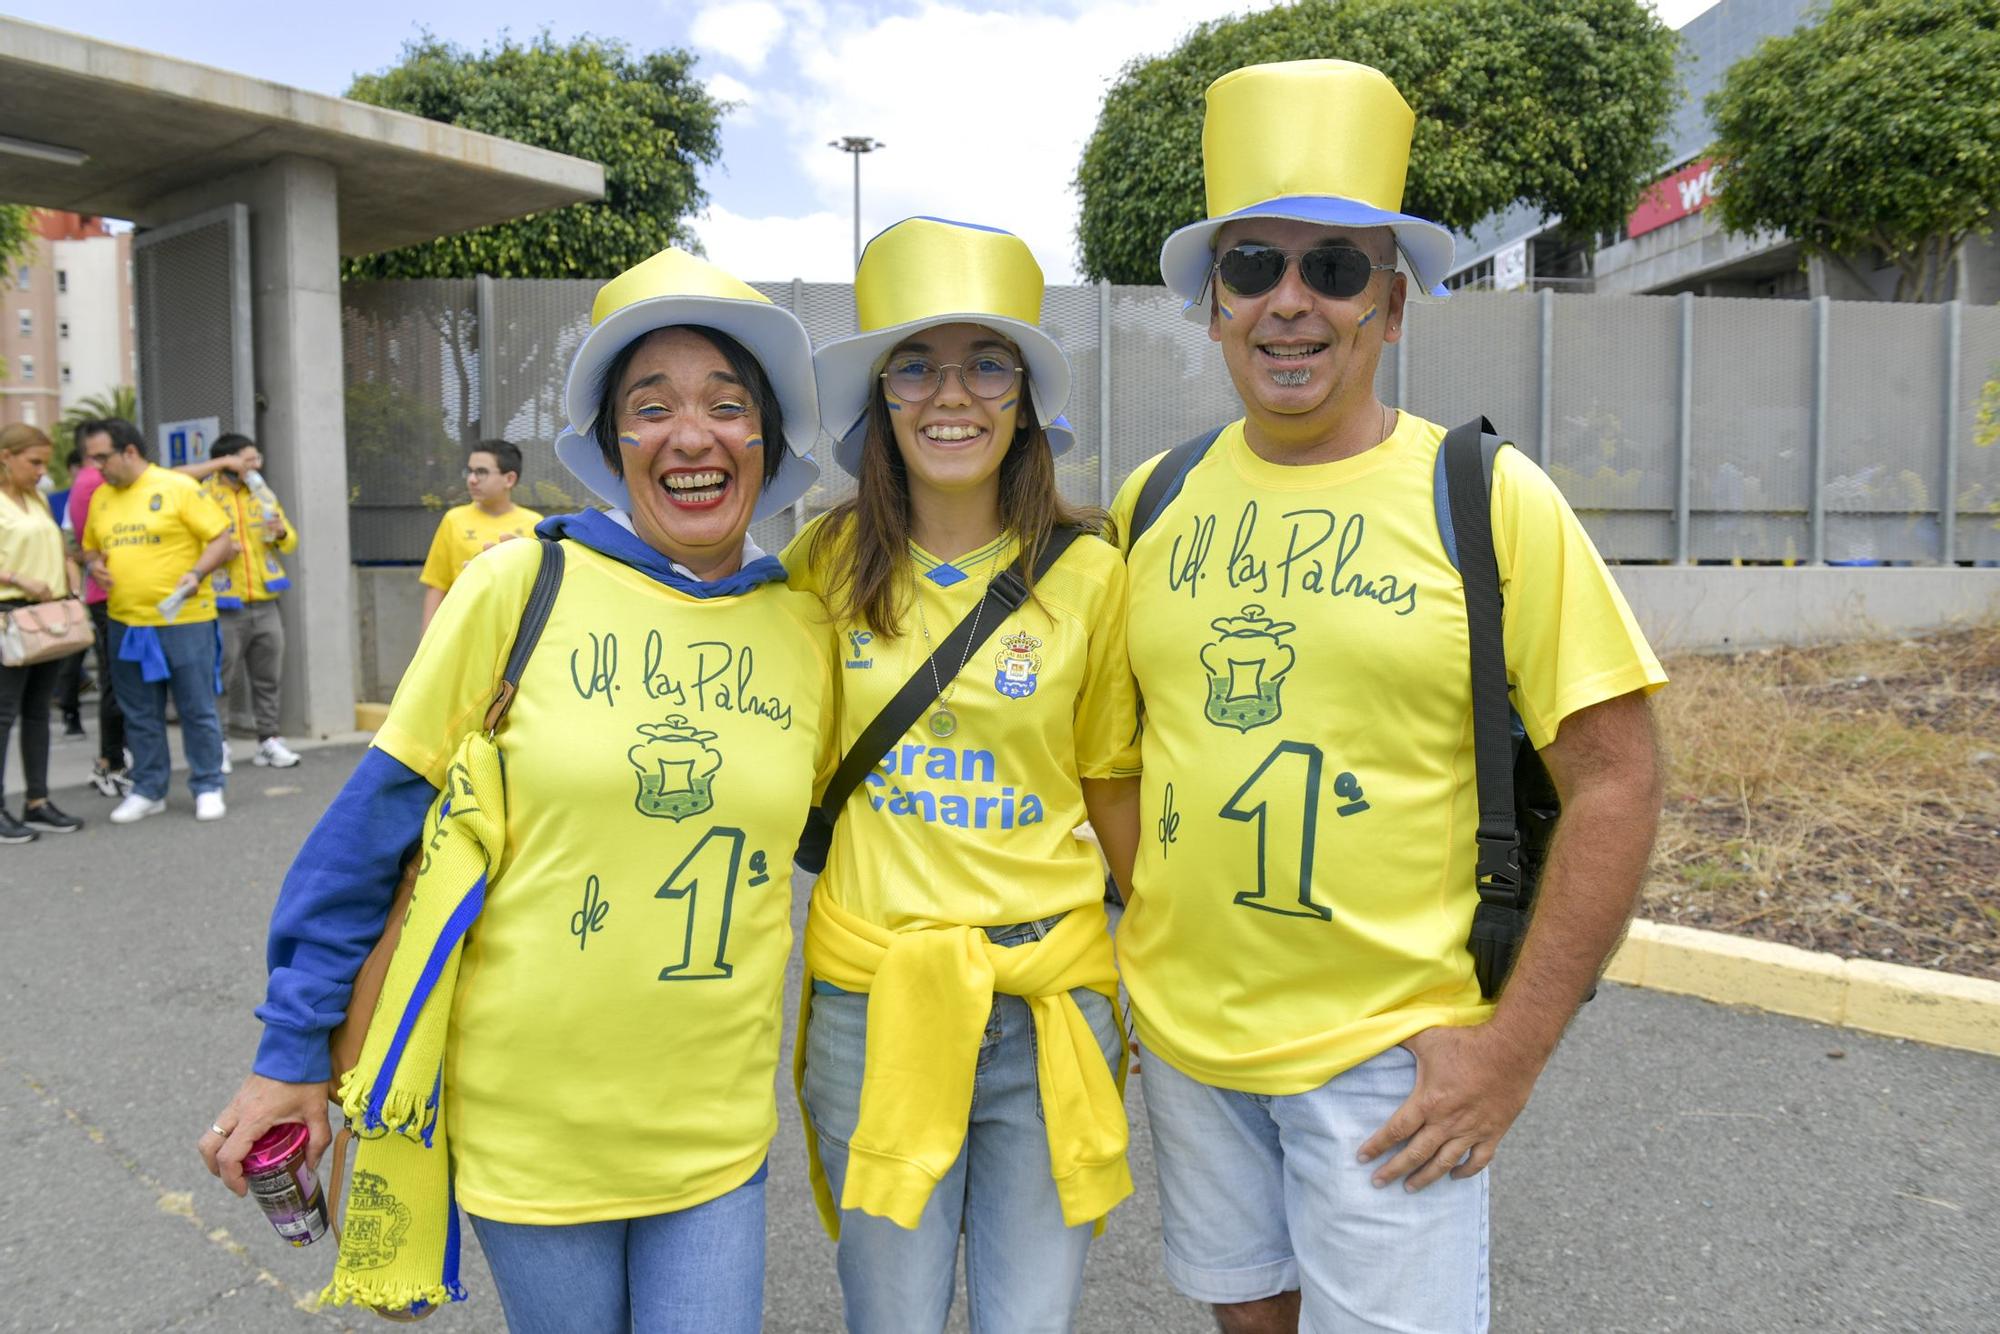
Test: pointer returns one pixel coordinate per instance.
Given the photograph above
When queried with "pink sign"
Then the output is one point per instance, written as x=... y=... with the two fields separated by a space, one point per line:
x=1673 y=197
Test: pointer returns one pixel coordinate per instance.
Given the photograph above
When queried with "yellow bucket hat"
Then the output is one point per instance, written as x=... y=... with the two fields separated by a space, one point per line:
x=924 y=272
x=674 y=287
x=1308 y=141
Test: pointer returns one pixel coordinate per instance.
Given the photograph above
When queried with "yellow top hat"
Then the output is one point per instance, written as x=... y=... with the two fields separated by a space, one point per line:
x=1313 y=141
x=674 y=287
x=918 y=274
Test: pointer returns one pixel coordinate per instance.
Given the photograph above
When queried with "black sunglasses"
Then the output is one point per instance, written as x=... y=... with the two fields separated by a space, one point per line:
x=1338 y=271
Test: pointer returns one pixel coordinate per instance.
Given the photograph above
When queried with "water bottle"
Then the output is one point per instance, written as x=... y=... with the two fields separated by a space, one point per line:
x=265 y=496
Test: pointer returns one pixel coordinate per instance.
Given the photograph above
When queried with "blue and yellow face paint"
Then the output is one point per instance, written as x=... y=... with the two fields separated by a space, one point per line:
x=1366 y=316
x=754 y=442
x=629 y=440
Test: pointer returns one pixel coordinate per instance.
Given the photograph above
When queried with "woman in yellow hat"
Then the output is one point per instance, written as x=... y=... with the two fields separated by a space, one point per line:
x=596 y=1023
x=960 y=1056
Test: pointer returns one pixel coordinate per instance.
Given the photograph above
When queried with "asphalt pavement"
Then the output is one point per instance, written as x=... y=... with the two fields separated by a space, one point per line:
x=1683 y=1166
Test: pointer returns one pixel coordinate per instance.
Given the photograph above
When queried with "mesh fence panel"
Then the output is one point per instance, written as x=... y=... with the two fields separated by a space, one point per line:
x=1750 y=480
x=1884 y=445
x=1614 y=419
x=1978 y=468
x=411 y=351
x=1471 y=355
x=416 y=399
x=183 y=291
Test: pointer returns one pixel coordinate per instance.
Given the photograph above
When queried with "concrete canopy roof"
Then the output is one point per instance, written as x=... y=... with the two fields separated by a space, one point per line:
x=153 y=125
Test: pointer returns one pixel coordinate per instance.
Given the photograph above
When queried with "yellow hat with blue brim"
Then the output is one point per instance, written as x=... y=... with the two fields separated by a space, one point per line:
x=919 y=274
x=675 y=288
x=1324 y=141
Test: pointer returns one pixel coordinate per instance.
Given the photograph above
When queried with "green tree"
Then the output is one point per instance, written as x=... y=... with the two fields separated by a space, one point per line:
x=1561 y=104
x=17 y=223
x=644 y=117
x=1878 y=126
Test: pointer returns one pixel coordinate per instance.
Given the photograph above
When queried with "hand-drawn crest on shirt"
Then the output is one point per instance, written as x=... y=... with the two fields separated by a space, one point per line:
x=676 y=768
x=1016 y=664
x=377 y=1222
x=1246 y=664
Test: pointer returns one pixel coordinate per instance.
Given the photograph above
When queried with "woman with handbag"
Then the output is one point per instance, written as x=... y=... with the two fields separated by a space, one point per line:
x=577 y=1034
x=35 y=581
x=961 y=1052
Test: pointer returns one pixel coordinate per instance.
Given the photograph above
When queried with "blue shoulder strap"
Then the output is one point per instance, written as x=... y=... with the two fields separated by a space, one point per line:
x=1164 y=482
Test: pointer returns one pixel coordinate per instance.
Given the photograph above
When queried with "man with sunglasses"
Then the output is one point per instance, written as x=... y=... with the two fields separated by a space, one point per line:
x=1324 y=1082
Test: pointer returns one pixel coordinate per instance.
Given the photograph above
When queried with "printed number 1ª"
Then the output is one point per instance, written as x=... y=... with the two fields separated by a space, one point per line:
x=706 y=880
x=1282 y=825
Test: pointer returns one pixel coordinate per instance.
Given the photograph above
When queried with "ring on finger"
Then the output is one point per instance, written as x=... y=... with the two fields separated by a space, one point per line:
x=214 y=1129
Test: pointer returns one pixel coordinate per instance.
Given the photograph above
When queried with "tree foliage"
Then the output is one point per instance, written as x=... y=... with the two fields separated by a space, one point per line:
x=1877 y=126
x=646 y=118
x=1562 y=104
x=17 y=223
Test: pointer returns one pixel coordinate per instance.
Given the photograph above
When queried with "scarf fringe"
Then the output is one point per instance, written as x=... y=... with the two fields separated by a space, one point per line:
x=387 y=1296
x=404 y=1111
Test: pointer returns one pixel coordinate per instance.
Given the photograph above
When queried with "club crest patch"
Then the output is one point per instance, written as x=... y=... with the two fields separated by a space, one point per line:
x=676 y=768
x=377 y=1223
x=1246 y=664
x=1016 y=664
x=154 y=504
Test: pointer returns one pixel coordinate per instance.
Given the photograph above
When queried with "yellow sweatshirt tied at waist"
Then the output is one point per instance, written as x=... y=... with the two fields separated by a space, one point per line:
x=930 y=993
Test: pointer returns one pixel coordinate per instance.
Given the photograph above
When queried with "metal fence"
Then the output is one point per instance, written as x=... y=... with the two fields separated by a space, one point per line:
x=1680 y=428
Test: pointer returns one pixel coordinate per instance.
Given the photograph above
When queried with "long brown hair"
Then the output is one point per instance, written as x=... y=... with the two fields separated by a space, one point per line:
x=873 y=587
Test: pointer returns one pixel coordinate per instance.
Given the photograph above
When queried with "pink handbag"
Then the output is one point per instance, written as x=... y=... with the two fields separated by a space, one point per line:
x=43 y=631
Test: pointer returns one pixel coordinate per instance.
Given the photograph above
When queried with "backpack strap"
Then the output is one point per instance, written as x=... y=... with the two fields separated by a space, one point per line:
x=534 y=617
x=1163 y=483
x=1466 y=525
x=1005 y=592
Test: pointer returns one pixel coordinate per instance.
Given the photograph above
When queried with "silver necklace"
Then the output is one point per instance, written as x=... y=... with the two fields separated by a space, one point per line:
x=943 y=722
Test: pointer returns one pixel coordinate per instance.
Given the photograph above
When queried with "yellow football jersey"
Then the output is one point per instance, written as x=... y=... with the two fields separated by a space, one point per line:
x=1304 y=886
x=151 y=533
x=614 y=1039
x=464 y=532
x=975 y=828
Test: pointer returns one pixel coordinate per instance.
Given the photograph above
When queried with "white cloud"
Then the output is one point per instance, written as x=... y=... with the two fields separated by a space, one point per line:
x=984 y=113
x=743 y=32
x=818 y=247
x=728 y=88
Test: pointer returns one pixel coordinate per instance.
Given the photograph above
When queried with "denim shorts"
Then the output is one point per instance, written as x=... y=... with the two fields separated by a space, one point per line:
x=1023 y=1266
x=1262 y=1194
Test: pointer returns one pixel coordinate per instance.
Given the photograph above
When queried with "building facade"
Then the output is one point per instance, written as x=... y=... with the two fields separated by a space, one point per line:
x=66 y=325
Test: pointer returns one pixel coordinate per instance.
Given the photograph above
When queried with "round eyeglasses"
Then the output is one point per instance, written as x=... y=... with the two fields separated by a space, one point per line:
x=915 y=379
x=1338 y=271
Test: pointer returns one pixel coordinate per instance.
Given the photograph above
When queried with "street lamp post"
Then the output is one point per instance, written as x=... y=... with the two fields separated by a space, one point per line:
x=857 y=144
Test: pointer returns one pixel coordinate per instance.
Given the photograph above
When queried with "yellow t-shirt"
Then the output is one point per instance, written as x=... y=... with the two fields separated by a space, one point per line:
x=1304 y=886
x=254 y=573
x=614 y=1039
x=31 y=546
x=464 y=532
x=151 y=533
x=976 y=829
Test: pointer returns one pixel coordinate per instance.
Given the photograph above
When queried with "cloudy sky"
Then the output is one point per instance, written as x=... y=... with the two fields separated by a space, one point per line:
x=983 y=106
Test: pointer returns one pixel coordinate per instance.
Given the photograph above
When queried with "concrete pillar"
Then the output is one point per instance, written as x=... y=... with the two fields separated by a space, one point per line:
x=1979 y=271
x=301 y=418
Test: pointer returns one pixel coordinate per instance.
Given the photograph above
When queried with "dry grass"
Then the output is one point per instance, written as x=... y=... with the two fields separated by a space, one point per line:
x=1843 y=799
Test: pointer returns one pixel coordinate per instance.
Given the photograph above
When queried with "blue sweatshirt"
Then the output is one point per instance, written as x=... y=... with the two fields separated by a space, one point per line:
x=336 y=896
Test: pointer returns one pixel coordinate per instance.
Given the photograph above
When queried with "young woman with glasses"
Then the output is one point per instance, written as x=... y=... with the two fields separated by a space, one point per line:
x=961 y=1049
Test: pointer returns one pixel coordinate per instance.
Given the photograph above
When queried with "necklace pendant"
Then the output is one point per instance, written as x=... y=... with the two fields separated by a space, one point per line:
x=943 y=722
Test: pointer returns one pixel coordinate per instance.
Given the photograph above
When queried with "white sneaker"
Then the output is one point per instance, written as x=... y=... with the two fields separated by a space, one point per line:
x=135 y=808
x=274 y=752
x=208 y=806
x=228 y=767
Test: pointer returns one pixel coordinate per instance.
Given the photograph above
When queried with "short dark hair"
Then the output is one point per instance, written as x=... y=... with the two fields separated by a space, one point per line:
x=744 y=366
x=230 y=442
x=124 y=435
x=505 y=453
x=74 y=459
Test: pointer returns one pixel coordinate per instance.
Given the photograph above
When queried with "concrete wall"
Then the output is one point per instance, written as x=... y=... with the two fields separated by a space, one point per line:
x=1683 y=609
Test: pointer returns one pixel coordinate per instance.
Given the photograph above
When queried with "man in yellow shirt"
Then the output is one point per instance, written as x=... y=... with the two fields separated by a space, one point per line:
x=247 y=587
x=492 y=469
x=1324 y=1081
x=153 y=539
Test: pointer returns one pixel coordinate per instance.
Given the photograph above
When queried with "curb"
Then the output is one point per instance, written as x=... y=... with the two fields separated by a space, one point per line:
x=1942 y=1009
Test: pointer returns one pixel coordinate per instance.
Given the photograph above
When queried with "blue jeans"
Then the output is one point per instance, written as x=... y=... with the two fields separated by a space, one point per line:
x=1262 y=1194
x=693 y=1271
x=191 y=657
x=1023 y=1267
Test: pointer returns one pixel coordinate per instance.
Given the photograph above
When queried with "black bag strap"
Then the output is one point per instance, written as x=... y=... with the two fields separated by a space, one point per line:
x=534 y=617
x=1163 y=483
x=1499 y=920
x=1005 y=592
